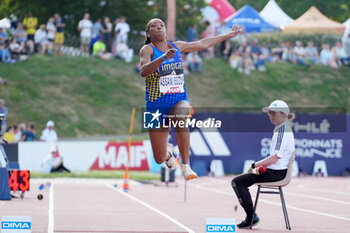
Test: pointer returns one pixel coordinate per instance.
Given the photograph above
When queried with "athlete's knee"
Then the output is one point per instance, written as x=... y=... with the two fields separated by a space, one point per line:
x=159 y=159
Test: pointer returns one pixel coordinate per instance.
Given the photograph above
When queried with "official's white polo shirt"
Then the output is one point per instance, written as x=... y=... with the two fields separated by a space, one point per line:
x=282 y=145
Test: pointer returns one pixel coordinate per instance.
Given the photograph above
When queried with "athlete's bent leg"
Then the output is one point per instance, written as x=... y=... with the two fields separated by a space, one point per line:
x=159 y=142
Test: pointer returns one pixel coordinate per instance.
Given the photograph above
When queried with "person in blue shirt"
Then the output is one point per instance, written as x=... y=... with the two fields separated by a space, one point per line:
x=162 y=66
x=192 y=33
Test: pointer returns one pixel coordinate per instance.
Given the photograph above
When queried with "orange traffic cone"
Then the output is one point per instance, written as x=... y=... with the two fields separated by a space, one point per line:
x=126 y=182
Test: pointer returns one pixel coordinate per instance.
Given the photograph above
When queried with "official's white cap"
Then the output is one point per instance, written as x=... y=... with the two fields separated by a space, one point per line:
x=50 y=124
x=277 y=106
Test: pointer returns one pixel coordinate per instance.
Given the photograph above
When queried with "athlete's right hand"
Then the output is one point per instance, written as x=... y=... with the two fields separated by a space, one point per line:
x=169 y=54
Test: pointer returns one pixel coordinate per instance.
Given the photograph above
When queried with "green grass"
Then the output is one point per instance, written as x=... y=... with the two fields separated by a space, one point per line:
x=90 y=97
x=139 y=176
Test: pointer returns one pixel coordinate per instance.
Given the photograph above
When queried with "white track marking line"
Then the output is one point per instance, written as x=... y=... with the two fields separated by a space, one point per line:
x=51 y=208
x=294 y=194
x=322 y=190
x=153 y=209
x=307 y=210
x=274 y=203
x=2 y=203
x=318 y=198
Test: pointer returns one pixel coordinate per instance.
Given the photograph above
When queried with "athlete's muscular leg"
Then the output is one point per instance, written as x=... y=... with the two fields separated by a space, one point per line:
x=159 y=142
x=181 y=111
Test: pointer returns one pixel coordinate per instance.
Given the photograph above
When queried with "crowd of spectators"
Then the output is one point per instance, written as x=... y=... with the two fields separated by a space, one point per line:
x=26 y=37
x=253 y=55
x=22 y=133
x=98 y=38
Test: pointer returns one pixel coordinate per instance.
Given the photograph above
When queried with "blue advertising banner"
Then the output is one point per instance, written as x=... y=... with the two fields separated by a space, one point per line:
x=246 y=136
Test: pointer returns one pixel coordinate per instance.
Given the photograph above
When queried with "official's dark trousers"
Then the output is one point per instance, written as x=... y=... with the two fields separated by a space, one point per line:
x=241 y=183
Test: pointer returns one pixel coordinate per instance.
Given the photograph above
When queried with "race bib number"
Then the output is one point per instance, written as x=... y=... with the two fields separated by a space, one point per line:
x=172 y=83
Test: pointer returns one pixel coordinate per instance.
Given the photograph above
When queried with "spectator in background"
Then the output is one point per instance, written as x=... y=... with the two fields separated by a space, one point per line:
x=85 y=29
x=51 y=31
x=256 y=53
x=225 y=46
x=115 y=40
x=123 y=52
x=192 y=33
x=17 y=50
x=14 y=21
x=106 y=34
x=4 y=50
x=327 y=57
x=40 y=39
x=19 y=132
x=123 y=28
x=21 y=37
x=265 y=53
x=340 y=55
x=30 y=23
x=311 y=53
x=208 y=32
x=279 y=53
x=194 y=62
x=99 y=50
x=245 y=63
x=29 y=134
x=49 y=134
x=53 y=162
x=300 y=53
x=59 y=36
x=4 y=111
x=9 y=135
x=234 y=60
x=96 y=30
x=291 y=56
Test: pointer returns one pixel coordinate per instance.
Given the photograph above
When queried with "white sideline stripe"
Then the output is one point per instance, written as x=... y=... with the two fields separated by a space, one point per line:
x=323 y=190
x=318 y=198
x=2 y=203
x=51 y=217
x=153 y=209
x=298 y=195
x=274 y=203
x=308 y=211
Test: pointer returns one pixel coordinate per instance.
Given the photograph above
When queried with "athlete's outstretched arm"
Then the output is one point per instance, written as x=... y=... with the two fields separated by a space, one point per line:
x=186 y=47
x=147 y=65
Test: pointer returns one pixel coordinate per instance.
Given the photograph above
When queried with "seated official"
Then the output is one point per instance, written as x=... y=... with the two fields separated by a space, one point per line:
x=281 y=149
x=53 y=162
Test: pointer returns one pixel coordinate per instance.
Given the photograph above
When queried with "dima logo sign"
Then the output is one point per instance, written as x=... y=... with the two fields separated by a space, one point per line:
x=15 y=225
x=215 y=225
x=221 y=228
x=18 y=224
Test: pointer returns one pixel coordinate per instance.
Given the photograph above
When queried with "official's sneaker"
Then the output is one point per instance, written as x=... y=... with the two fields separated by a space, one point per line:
x=246 y=222
x=171 y=162
x=188 y=173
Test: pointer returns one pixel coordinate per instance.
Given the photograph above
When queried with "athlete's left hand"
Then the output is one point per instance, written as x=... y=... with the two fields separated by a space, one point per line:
x=235 y=30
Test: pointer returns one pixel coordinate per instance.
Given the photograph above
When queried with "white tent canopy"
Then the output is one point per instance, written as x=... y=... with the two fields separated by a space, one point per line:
x=274 y=15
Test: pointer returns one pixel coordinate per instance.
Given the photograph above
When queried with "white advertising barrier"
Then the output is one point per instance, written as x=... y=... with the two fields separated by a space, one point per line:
x=85 y=156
